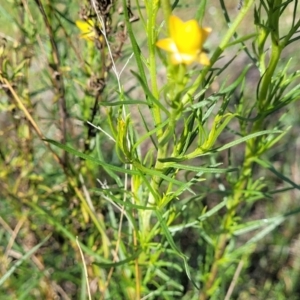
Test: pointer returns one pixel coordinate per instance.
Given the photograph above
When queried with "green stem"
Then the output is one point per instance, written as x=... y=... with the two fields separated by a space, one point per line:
x=152 y=9
x=166 y=8
x=274 y=16
x=156 y=180
x=228 y=220
x=263 y=102
x=251 y=151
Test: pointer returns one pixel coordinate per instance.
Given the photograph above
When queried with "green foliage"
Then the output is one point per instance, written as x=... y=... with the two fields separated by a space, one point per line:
x=126 y=177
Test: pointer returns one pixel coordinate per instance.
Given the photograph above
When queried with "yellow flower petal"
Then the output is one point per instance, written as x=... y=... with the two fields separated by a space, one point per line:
x=167 y=45
x=85 y=26
x=205 y=33
x=188 y=37
x=175 y=25
x=176 y=58
x=203 y=59
x=185 y=42
x=87 y=29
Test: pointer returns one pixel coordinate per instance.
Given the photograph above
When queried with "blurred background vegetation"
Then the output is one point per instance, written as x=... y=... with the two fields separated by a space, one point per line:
x=55 y=83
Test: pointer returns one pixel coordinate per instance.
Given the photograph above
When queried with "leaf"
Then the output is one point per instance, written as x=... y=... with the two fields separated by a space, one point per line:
x=124 y=203
x=173 y=246
x=56 y=223
x=149 y=133
x=22 y=259
x=233 y=86
x=242 y=39
x=136 y=49
x=90 y=158
x=141 y=168
x=203 y=217
x=271 y=223
x=125 y=102
x=150 y=96
x=119 y=263
x=175 y=4
x=19 y=67
x=270 y=167
x=202 y=169
x=246 y=138
x=201 y=11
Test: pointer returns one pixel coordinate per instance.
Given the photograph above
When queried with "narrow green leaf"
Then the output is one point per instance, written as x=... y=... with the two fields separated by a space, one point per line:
x=233 y=86
x=196 y=224
x=202 y=169
x=148 y=130
x=150 y=97
x=246 y=138
x=242 y=39
x=143 y=169
x=149 y=133
x=201 y=12
x=173 y=246
x=125 y=102
x=136 y=49
x=22 y=259
x=123 y=203
x=250 y=226
x=271 y=168
x=119 y=263
x=90 y=158
x=213 y=210
x=273 y=223
x=47 y=215
x=175 y=4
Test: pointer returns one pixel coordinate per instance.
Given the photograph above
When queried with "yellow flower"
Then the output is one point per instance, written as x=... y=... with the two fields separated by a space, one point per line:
x=185 y=42
x=87 y=29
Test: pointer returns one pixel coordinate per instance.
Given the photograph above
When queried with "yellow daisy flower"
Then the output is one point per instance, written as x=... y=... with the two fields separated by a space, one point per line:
x=185 y=43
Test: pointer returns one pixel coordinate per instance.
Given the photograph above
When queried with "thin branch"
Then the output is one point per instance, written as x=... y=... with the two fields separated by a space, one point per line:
x=57 y=77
